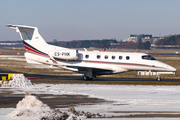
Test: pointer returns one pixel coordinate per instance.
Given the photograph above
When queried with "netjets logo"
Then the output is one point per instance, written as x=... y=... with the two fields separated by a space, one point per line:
x=62 y=54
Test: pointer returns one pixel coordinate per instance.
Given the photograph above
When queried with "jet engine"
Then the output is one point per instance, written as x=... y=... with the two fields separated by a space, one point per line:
x=65 y=54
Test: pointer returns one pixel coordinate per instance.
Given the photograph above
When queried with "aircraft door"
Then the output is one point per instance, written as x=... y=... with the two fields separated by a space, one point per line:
x=80 y=56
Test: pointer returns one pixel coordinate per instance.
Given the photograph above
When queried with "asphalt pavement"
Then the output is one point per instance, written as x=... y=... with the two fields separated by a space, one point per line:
x=76 y=78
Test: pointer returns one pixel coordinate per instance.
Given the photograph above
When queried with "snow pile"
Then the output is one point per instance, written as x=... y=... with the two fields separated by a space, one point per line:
x=18 y=81
x=33 y=108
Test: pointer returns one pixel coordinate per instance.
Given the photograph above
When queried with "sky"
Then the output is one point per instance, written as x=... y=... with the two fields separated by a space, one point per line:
x=67 y=20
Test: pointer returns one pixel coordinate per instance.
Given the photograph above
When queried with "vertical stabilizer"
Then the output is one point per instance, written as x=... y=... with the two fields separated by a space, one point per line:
x=32 y=39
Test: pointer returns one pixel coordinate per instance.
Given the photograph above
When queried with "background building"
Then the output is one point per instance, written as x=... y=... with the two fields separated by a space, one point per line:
x=133 y=39
x=142 y=37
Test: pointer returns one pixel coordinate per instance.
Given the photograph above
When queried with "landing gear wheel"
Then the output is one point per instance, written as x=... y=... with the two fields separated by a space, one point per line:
x=87 y=78
x=159 y=78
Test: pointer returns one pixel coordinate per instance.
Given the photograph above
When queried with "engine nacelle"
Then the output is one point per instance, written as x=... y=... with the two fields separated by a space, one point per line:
x=65 y=54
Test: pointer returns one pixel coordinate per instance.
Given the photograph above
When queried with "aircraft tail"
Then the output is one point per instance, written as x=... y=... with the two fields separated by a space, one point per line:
x=27 y=32
x=31 y=38
x=36 y=46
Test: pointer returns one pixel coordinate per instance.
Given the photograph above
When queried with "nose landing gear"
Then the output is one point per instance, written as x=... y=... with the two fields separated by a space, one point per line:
x=158 y=78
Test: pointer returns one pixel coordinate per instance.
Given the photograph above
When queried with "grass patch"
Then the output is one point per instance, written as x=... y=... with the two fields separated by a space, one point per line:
x=12 y=52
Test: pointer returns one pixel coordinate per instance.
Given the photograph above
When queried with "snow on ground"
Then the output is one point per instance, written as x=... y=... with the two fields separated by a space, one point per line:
x=32 y=108
x=124 y=97
x=19 y=80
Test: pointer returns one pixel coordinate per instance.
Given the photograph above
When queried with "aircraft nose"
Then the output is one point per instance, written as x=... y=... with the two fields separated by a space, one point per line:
x=172 y=69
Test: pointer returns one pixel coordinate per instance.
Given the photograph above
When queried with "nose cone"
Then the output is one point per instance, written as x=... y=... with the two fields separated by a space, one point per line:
x=165 y=67
x=170 y=68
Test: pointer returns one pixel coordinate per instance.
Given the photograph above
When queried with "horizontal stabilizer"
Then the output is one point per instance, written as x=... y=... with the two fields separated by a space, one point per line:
x=19 y=26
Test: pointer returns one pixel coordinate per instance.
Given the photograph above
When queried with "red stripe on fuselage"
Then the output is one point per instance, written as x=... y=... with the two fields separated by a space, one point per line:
x=30 y=49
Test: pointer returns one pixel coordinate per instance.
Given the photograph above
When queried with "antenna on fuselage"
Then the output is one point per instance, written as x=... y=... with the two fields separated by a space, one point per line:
x=85 y=49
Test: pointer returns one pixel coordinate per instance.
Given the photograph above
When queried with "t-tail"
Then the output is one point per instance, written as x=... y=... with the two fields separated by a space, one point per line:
x=32 y=40
x=37 y=47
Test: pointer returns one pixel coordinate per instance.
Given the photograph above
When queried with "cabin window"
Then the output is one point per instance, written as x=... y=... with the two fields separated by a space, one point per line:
x=148 y=57
x=127 y=57
x=87 y=56
x=113 y=57
x=120 y=57
x=98 y=56
x=106 y=57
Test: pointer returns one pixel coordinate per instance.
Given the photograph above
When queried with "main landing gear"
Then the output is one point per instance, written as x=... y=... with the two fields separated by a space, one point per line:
x=88 y=75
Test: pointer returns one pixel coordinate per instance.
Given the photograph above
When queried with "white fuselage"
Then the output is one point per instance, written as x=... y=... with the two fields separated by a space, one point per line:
x=116 y=62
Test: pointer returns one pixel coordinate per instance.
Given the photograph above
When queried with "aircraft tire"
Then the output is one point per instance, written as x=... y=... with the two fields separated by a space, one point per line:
x=86 y=78
x=158 y=79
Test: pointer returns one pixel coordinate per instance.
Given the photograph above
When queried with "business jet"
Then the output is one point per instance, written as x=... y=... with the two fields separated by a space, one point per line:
x=89 y=63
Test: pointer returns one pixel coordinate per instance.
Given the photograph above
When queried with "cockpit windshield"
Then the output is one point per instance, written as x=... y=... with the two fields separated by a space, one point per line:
x=148 y=57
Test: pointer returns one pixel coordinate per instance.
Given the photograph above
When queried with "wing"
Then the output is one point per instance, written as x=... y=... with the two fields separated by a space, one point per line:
x=97 y=70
